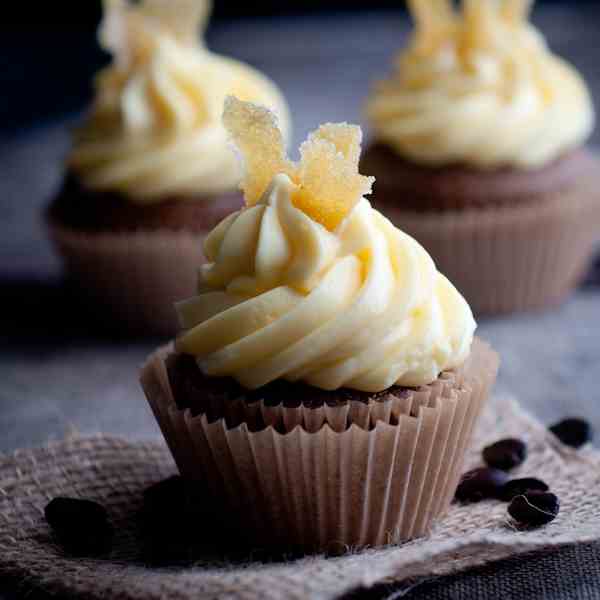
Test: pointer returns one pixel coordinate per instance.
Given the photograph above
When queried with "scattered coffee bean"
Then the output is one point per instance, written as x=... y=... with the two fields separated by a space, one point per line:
x=534 y=508
x=518 y=487
x=480 y=484
x=572 y=432
x=81 y=526
x=505 y=454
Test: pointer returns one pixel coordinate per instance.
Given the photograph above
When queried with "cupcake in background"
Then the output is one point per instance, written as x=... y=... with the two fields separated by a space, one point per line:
x=150 y=170
x=478 y=148
x=327 y=379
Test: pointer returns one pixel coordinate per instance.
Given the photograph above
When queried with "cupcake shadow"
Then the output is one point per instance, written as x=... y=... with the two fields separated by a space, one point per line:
x=39 y=314
x=183 y=531
x=198 y=532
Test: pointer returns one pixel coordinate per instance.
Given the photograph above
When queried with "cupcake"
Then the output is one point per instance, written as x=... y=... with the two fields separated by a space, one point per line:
x=150 y=171
x=326 y=380
x=479 y=153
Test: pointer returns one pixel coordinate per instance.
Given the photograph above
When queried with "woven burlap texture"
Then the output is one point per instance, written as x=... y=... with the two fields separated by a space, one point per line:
x=115 y=472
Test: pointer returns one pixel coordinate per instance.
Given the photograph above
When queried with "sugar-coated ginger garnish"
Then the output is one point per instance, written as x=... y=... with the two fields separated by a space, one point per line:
x=437 y=20
x=256 y=134
x=128 y=28
x=430 y=14
x=516 y=11
x=329 y=184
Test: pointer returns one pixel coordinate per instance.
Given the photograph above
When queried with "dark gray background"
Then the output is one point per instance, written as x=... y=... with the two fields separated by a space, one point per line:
x=58 y=371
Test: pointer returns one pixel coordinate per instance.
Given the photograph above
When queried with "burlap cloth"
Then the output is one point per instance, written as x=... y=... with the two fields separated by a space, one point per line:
x=115 y=472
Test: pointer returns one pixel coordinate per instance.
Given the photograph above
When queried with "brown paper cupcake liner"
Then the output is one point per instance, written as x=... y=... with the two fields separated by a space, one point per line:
x=131 y=280
x=511 y=259
x=330 y=477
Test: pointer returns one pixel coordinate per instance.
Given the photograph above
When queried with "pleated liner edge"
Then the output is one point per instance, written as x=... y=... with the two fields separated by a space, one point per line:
x=335 y=477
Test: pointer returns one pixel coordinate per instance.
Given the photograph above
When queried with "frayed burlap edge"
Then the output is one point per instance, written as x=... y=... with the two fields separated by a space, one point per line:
x=116 y=471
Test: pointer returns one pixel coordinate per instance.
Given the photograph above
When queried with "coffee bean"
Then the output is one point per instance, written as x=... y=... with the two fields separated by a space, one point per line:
x=534 y=508
x=480 y=484
x=518 y=487
x=505 y=454
x=81 y=526
x=572 y=432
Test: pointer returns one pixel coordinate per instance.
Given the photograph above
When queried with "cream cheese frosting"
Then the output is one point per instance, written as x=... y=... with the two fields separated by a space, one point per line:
x=309 y=283
x=155 y=128
x=479 y=86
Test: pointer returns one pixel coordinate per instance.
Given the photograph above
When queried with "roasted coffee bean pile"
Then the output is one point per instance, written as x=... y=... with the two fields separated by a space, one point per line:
x=81 y=526
x=530 y=502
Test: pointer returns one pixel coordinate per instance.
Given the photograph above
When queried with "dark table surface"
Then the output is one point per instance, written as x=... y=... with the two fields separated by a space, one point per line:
x=57 y=372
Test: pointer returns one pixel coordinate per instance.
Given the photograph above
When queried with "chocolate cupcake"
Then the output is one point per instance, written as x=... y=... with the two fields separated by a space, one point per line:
x=479 y=152
x=326 y=381
x=150 y=171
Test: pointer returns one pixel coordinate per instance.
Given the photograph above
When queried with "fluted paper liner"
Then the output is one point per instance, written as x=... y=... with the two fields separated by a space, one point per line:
x=331 y=477
x=131 y=279
x=512 y=258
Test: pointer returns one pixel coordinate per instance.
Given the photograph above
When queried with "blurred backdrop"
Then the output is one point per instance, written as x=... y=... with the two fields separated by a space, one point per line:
x=324 y=54
x=48 y=50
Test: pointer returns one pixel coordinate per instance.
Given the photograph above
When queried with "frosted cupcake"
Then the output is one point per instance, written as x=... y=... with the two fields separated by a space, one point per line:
x=478 y=150
x=150 y=171
x=326 y=381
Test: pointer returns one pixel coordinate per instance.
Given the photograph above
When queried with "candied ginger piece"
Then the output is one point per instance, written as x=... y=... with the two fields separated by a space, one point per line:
x=516 y=11
x=254 y=131
x=127 y=27
x=470 y=27
x=346 y=138
x=478 y=12
x=330 y=184
x=183 y=18
x=433 y=19
x=478 y=18
x=113 y=31
x=430 y=14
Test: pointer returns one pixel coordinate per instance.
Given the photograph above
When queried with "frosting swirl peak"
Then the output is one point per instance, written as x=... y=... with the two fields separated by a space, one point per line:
x=480 y=87
x=155 y=129
x=336 y=297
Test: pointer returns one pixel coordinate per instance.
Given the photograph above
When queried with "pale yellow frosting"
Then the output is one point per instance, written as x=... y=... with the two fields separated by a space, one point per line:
x=350 y=302
x=155 y=129
x=480 y=87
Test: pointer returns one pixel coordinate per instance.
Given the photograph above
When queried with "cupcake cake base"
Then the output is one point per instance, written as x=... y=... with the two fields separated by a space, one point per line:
x=130 y=263
x=82 y=209
x=327 y=470
x=515 y=259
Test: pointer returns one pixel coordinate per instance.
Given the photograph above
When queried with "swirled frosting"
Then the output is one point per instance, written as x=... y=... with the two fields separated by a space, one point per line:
x=480 y=87
x=290 y=292
x=155 y=129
